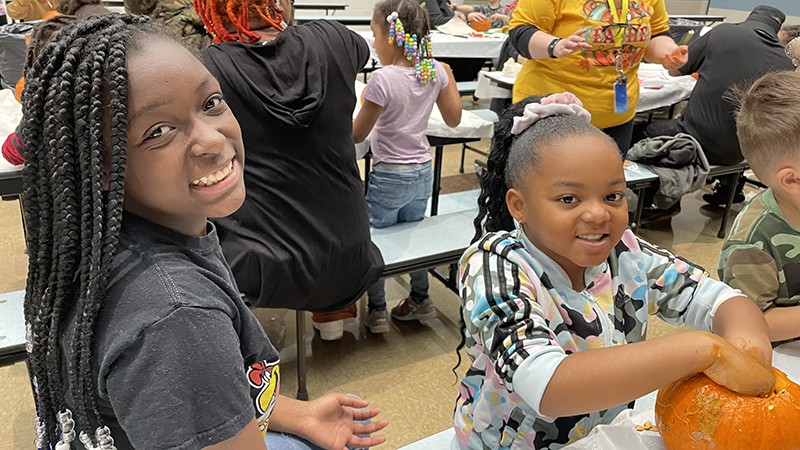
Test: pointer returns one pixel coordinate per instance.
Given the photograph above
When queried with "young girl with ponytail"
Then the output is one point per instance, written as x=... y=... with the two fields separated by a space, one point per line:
x=556 y=294
x=138 y=335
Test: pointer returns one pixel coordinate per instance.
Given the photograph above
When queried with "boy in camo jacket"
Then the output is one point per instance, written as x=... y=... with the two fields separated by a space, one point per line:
x=761 y=255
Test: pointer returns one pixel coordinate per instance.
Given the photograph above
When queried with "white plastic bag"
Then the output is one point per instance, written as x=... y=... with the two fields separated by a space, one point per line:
x=621 y=434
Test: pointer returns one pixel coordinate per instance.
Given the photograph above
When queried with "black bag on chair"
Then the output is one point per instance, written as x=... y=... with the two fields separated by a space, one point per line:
x=12 y=52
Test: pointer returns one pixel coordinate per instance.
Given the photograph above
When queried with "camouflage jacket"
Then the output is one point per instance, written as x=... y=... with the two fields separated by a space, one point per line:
x=761 y=255
x=177 y=14
x=181 y=16
x=523 y=317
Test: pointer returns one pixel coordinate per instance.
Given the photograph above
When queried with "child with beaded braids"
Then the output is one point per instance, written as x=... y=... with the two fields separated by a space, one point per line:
x=555 y=309
x=397 y=104
x=138 y=337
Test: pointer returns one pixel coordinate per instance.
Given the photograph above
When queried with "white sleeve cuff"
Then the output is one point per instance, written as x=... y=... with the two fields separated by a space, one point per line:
x=722 y=299
x=533 y=375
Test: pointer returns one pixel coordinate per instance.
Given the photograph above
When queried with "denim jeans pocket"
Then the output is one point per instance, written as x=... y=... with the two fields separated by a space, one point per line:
x=390 y=188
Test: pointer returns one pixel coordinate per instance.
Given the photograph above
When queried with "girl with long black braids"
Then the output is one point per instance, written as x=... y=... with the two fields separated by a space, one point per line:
x=548 y=304
x=138 y=335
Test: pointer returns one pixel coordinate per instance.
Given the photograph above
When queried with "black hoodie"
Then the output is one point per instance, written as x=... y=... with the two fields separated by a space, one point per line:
x=301 y=239
x=729 y=55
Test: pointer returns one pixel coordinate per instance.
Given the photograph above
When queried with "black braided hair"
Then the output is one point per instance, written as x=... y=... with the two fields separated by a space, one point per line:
x=511 y=158
x=42 y=33
x=413 y=16
x=75 y=128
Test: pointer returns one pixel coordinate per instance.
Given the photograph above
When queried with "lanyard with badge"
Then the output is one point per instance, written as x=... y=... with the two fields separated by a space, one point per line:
x=621 y=82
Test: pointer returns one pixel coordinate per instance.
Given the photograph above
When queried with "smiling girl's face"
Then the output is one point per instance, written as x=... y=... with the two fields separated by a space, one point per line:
x=572 y=204
x=185 y=155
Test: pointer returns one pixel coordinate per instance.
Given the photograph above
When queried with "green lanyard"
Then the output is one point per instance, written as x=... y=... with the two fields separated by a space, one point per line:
x=618 y=17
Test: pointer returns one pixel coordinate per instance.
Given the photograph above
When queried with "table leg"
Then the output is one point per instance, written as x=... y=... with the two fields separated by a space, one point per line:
x=437 y=179
x=734 y=186
x=367 y=170
x=637 y=216
x=302 y=392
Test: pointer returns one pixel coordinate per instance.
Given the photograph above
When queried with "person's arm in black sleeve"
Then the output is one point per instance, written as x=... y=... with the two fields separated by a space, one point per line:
x=520 y=38
x=353 y=44
x=697 y=54
x=360 y=55
x=437 y=14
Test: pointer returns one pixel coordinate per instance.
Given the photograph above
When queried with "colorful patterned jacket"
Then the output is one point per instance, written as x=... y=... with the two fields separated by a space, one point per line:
x=533 y=319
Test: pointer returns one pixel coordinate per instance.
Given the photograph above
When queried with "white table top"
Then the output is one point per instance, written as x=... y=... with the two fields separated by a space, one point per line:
x=345 y=20
x=12 y=324
x=656 y=88
x=447 y=46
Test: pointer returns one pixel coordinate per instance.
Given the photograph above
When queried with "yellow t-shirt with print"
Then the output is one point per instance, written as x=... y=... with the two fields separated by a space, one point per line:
x=589 y=74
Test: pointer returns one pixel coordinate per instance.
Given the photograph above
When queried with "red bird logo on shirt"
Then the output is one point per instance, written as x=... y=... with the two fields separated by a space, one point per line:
x=265 y=378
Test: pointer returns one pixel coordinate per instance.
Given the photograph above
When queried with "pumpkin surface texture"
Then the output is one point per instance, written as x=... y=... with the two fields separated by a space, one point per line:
x=481 y=26
x=697 y=414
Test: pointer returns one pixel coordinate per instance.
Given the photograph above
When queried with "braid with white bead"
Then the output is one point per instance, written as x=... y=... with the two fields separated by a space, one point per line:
x=407 y=20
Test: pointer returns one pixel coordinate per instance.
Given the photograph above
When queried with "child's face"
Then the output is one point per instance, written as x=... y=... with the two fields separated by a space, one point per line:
x=573 y=204
x=185 y=150
x=383 y=48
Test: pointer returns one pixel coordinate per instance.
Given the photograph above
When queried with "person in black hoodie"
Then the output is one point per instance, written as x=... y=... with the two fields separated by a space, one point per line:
x=728 y=55
x=301 y=240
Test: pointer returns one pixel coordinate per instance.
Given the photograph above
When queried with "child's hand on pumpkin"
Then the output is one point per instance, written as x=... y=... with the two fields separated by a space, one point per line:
x=732 y=368
x=757 y=347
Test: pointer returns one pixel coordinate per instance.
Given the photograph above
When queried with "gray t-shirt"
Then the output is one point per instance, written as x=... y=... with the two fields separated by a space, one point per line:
x=179 y=361
x=489 y=12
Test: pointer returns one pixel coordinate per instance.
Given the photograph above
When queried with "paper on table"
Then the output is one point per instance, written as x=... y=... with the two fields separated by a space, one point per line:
x=786 y=358
x=621 y=434
x=456 y=27
x=10 y=113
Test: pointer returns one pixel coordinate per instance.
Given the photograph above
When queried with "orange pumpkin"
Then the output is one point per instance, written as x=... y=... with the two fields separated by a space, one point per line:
x=50 y=14
x=481 y=26
x=18 y=89
x=697 y=414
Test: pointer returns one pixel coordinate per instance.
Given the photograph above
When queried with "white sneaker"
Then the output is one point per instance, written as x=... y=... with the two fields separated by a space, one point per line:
x=330 y=331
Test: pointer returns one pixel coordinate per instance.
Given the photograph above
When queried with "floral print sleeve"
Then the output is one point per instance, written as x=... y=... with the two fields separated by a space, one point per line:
x=676 y=290
x=503 y=317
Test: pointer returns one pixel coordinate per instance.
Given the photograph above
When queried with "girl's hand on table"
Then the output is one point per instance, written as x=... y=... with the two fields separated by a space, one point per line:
x=570 y=44
x=676 y=59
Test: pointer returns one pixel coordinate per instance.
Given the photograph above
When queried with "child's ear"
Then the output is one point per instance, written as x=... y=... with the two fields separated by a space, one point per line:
x=516 y=204
x=789 y=179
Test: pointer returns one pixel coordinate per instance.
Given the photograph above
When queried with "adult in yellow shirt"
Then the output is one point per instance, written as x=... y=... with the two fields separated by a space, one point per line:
x=572 y=45
x=28 y=10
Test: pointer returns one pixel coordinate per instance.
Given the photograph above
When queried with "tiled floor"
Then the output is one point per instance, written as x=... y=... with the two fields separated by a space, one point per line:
x=407 y=372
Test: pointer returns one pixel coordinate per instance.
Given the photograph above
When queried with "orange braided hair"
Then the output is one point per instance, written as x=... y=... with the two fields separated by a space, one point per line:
x=217 y=13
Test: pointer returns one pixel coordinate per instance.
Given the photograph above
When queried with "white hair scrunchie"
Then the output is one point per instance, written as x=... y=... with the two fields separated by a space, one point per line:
x=565 y=104
x=792 y=52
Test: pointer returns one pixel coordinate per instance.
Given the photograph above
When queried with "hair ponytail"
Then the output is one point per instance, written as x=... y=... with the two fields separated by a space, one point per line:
x=493 y=213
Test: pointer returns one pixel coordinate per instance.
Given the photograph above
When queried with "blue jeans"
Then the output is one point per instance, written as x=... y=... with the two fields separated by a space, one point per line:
x=396 y=196
x=281 y=441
